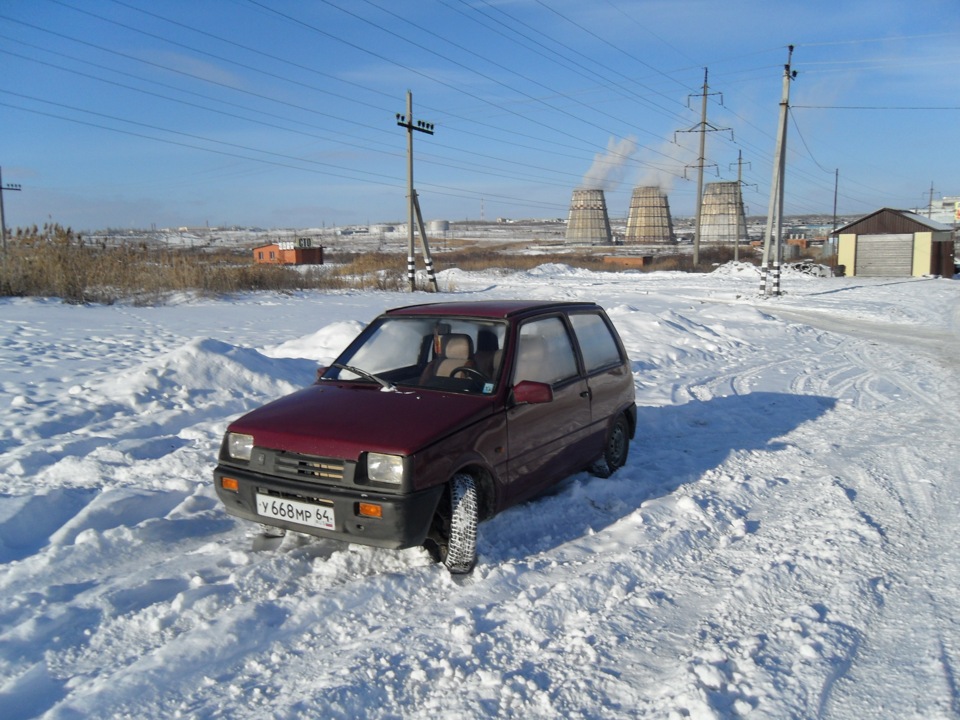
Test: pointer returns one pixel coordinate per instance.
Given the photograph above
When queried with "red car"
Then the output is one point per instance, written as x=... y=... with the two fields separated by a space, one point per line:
x=436 y=417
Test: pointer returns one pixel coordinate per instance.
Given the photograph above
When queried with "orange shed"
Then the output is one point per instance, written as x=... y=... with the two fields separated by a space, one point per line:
x=299 y=252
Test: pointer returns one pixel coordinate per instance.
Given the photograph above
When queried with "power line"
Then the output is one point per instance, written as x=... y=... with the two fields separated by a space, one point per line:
x=223 y=85
x=877 y=107
x=494 y=62
x=457 y=88
x=438 y=189
x=555 y=150
x=213 y=55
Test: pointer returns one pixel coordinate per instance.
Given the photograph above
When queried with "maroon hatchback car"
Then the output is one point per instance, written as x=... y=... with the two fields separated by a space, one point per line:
x=435 y=418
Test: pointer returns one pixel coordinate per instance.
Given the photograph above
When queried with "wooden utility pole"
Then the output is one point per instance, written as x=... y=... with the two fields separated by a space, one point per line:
x=413 y=203
x=3 y=220
x=772 y=237
x=836 y=188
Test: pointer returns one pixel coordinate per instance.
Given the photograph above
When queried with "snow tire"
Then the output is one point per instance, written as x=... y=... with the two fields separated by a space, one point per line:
x=615 y=451
x=461 y=554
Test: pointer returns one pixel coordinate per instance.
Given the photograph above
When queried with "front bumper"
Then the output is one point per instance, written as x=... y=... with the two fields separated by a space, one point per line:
x=404 y=523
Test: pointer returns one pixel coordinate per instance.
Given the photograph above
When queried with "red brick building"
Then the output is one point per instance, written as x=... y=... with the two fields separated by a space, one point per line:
x=298 y=252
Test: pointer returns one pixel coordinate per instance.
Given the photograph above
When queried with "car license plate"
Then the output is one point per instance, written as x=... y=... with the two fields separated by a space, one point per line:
x=318 y=516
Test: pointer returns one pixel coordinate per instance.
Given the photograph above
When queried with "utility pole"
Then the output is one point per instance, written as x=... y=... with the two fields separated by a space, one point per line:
x=836 y=187
x=3 y=221
x=773 y=233
x=413 y=203
x=834 y=239
x=736 y=237
x=702 y=127
x=930 y=205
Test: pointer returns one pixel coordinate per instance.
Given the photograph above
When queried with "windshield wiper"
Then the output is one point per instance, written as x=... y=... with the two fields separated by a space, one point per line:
x=386 y=385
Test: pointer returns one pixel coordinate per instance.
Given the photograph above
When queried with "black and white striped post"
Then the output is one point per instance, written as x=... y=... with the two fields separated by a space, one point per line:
x=772 y=240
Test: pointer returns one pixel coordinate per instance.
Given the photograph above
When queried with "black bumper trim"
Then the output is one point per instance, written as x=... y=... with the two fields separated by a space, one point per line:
x=405 y=522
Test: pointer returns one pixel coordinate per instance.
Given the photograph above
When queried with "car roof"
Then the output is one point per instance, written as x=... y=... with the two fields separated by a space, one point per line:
x=488 y=308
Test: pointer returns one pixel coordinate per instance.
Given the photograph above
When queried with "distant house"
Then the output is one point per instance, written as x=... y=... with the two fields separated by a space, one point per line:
x=299 y=252
x=896 y=243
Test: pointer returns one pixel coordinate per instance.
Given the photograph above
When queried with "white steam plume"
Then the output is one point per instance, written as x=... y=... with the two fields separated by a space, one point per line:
x=662 y=168
x=608 y=168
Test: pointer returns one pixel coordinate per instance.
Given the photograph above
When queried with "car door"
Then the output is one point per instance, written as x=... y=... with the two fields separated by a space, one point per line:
x=608 y=376
x=546 y=440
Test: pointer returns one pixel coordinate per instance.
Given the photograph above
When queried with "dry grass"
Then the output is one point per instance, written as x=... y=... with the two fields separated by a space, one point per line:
x=55 y=262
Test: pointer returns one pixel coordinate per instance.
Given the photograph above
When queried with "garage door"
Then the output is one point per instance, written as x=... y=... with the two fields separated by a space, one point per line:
x=885 y=255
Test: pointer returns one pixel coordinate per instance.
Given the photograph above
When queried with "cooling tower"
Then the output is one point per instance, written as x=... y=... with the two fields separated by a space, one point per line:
x=722 y=205
x=649 y=221
x=588 y=221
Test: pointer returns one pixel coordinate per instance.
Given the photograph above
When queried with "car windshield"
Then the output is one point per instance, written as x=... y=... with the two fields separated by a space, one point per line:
x=452 y=354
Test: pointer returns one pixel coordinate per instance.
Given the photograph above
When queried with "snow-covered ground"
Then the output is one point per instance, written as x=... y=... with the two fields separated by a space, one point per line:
x=782 y=542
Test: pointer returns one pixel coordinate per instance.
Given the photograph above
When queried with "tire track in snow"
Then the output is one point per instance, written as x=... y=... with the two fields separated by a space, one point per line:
x=738 y=564
x=901 y=379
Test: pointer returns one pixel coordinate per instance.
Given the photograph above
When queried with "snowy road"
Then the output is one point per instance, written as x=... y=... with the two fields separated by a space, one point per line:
x=912 y=634
x=780 y=544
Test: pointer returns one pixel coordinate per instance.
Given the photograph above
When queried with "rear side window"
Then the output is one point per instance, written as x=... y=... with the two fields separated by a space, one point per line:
x=596 y=341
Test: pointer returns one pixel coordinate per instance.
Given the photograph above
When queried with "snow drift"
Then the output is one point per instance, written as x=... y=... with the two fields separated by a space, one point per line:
x=781 y=542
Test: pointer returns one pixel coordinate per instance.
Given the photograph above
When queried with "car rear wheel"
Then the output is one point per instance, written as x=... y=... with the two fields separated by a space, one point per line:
x=615 y=451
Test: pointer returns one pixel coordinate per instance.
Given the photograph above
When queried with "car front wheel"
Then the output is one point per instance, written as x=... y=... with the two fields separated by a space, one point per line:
x=461 y=551
x=615 y=451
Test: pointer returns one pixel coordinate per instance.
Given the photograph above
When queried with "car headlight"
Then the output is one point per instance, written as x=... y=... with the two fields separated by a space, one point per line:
x=385 y=468
x=239 y=446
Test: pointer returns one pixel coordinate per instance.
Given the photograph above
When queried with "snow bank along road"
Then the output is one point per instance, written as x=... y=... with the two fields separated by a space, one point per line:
x=782 y=542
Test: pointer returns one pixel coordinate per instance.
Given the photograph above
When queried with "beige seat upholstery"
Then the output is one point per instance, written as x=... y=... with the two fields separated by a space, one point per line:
x=456 y=350
x=531 y=360
x=488 y=353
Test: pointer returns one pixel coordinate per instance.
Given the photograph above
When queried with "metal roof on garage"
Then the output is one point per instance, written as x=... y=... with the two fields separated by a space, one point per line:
x=890 y=221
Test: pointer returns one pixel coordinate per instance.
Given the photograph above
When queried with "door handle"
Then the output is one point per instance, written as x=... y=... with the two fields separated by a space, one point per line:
x=586 y=393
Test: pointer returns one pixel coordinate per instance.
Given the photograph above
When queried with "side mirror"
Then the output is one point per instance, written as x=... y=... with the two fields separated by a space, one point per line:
x=532 y=393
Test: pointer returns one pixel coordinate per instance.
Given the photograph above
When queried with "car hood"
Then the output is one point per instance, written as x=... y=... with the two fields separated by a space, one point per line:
x=345 y=419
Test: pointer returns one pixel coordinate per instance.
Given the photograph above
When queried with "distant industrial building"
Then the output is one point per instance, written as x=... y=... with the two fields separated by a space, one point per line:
x=588 y=221
x=302 y=251
x=722 y=219
x=945 y=211
x=649 y=221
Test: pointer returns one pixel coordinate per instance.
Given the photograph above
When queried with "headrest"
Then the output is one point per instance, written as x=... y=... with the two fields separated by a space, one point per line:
x=487 y=341
x=457 y=346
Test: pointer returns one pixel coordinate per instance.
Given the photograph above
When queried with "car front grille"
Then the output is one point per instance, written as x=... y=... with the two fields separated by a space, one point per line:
x=307 y=467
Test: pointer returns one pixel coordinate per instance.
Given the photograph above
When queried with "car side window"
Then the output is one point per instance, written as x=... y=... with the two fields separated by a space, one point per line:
x=544 y=352
x=597 y=344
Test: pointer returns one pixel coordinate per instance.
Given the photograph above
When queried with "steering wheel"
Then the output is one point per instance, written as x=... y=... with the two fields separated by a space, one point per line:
x=469 y=371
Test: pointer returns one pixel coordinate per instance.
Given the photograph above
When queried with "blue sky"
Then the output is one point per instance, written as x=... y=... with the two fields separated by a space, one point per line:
x=131 y=113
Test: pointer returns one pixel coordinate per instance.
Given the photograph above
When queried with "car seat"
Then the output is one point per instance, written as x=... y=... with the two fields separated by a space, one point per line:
x=456 y=350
